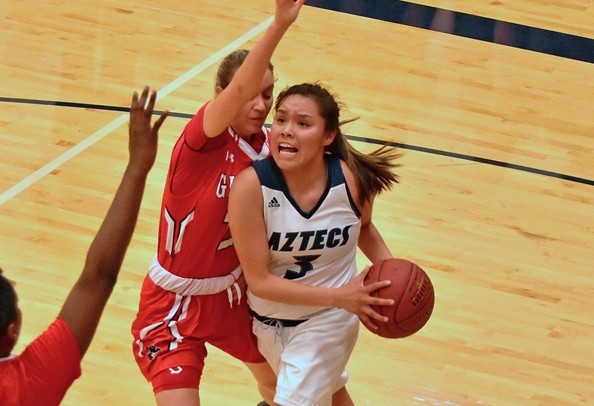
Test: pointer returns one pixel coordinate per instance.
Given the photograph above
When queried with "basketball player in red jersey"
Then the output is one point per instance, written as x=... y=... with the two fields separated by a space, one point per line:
x=193 y=292
x=47 y=367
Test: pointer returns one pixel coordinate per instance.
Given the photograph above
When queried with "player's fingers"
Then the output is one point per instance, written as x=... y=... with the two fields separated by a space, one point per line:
x=378 y=285
x=159 y=122
x=151 y=104
x=360 y=278
x=236 y=292
x=134 y=99
x=368 y=323
x=376 y=301
x=365 y=271
x=242 y=284
x=143 y=96
x=376 y=316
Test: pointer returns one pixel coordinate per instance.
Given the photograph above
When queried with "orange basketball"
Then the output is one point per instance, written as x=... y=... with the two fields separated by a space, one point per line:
x=413 y=296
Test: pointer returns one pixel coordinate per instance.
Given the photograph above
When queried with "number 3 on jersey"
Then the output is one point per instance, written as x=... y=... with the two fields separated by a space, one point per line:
x=305 y=265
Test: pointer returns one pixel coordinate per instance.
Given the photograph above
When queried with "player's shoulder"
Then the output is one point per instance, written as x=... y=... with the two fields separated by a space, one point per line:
x=245 y=191
x=246 y=174
x=348 y=173
x=245 y=180
x=350 y=180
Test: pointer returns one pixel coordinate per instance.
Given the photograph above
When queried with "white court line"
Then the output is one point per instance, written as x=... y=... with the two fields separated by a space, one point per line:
x=123 y=119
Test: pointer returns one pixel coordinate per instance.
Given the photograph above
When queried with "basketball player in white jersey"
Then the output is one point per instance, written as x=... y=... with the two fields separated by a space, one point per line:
x=296 y=220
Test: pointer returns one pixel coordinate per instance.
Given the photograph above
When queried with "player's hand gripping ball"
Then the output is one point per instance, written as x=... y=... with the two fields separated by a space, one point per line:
x=413 y=296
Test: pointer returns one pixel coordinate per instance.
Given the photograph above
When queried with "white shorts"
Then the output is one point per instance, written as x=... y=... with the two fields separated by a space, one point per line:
x=310 y=358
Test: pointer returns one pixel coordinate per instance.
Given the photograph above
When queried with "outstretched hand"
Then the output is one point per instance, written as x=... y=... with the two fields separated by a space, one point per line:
x=84 y=305
x=287 y=11
x=143 y=141
x=357 y=299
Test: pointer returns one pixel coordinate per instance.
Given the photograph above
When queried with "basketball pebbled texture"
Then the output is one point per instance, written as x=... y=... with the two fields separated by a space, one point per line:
x=413 y=296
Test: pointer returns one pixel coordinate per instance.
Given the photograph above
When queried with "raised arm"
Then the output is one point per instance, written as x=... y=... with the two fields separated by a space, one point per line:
x=248 y=229
x=83 y=308
x=245 y=83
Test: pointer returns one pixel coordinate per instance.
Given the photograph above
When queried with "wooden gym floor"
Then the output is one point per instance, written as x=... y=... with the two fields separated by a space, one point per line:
x=496 y=201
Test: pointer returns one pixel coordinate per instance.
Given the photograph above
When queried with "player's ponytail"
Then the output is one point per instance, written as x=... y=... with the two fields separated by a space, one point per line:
x=373 y=171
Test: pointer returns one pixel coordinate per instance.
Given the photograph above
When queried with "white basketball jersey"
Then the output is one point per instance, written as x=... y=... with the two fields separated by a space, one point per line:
x=316 y=248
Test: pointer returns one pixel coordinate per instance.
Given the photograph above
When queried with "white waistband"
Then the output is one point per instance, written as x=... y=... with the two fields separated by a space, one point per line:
x=190 y=286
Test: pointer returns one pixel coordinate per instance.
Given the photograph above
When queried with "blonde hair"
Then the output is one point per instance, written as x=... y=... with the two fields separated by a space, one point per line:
x=229 y=66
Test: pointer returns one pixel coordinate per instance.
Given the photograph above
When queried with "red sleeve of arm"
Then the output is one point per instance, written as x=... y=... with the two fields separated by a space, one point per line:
x=194 y=131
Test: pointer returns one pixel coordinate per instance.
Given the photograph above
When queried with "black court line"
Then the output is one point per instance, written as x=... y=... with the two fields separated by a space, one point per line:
x=83 y=106
x=467 y=25
x=474 y=159
x=417 y=148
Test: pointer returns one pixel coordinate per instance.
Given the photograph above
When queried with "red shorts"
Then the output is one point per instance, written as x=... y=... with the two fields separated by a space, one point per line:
x=170 y=331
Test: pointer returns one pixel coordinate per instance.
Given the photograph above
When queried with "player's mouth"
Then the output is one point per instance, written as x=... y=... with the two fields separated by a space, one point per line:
x=286 y=148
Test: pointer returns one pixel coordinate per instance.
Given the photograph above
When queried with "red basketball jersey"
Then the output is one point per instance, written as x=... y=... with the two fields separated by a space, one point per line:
x=194 y=237
x=44 y=371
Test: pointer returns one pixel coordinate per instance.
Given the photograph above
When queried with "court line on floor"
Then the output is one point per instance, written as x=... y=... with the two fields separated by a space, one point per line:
x=123 y=119
x=433 y=151
x=477 y=159
x=468 y=25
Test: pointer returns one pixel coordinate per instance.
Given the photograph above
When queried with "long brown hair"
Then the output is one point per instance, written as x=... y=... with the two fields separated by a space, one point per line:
x=373 y=171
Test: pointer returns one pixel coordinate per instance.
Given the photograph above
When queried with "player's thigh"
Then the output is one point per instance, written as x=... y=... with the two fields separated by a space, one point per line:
x=262 y=372
x=326 y=339
x=314 y=357
x=266 y=379
x=232 y=331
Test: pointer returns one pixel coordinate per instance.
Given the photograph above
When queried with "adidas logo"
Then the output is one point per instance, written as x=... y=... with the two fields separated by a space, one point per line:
x=273 y=203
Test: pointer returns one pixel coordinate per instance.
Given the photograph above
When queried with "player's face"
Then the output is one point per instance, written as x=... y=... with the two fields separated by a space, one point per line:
x=298 y=135
x=253 y=115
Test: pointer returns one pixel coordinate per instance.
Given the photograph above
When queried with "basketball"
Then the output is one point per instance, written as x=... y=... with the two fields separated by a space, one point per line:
x=413 y=296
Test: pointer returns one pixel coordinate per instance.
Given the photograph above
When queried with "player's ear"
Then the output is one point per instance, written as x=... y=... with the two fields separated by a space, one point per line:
x=218 y=90
x=14 y=328
x=329 y=137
